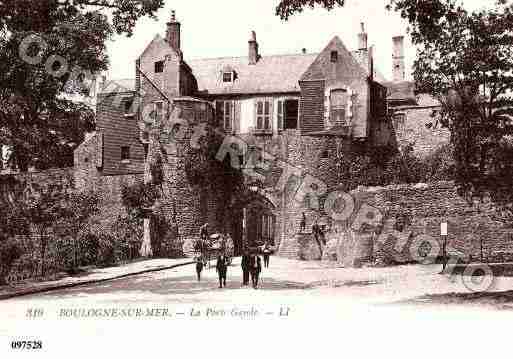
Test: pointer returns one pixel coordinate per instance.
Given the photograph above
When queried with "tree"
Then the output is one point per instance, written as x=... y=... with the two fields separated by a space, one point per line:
x=424 y=13
x=13 y=223
x=43 y=209
x=287 y=8
x=465 y=60
x=49 y=49
x=77 y=209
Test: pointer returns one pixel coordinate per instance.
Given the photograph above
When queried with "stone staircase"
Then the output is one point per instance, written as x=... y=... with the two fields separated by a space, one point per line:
x=301 y=246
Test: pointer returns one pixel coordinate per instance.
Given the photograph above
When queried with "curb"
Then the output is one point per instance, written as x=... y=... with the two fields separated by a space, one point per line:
x=26 y=292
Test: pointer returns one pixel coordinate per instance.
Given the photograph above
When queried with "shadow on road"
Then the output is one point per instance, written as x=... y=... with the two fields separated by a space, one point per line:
x=475 y=269
x=499 y=300
x=181 y=285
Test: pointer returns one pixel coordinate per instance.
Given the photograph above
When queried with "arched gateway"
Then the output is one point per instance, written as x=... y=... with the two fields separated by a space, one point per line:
x=254 y=220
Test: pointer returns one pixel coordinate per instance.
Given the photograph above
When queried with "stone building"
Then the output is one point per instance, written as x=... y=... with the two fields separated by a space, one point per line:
x=413 y=114
x=295 y=112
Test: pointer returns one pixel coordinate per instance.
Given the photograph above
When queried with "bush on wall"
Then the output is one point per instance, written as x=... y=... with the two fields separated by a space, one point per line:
x=382 y=167
x=13 y=223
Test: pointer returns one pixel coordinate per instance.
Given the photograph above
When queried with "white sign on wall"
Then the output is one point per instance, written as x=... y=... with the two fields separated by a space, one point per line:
x=443 y=228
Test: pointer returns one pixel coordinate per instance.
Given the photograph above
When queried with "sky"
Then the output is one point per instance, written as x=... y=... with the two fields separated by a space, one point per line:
x=221 y=28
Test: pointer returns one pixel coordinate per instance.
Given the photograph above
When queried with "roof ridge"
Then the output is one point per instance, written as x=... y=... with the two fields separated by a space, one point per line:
x=244 y=57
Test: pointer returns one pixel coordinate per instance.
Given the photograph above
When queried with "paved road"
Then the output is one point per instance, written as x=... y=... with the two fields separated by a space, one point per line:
x=285 y=278
x=336 y=306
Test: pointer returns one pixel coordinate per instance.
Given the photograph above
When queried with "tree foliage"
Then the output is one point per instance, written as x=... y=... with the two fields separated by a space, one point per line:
x=465 y=60
x=204 y=170
x=76 y=211
x=12 y=223
x=139 y=198
x=287 y=8
x=39 y=123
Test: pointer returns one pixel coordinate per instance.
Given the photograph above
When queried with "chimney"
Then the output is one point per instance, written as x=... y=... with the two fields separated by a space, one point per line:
x=362 y=38
x=372 y=72
x=173 y=33
x=398 y=69
x=253 y=49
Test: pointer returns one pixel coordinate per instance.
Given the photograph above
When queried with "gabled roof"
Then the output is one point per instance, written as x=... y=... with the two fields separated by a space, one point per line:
x=346 y=67
x=158 y=41
x=271 y=74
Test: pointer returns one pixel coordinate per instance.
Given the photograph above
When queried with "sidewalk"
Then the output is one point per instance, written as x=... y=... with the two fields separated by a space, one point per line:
x=93 y=276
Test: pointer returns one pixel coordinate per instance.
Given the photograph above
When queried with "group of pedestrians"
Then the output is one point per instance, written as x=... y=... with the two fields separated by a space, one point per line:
x=251 y=265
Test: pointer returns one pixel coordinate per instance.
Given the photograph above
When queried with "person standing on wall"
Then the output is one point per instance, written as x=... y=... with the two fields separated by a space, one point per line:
x=245 y=268
x=255 y=264
x=221 y=269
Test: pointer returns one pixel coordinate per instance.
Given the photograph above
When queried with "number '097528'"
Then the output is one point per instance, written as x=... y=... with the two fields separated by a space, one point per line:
x=26 y=345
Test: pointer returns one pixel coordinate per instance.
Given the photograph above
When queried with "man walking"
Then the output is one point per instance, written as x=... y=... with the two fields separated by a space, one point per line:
x=203 y=234
x=221 y=269
x=317 y=233
x=267 y=254
x=199 y=267
x=255 y=268
x=245 y=268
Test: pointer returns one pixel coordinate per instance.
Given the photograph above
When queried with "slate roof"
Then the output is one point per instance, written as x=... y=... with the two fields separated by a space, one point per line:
x=271 y=74
x=401 y=92
x=113 y=86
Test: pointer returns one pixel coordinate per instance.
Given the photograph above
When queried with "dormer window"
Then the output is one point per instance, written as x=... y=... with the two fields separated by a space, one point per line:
x=159 y=67
x=228 y=76
x=334 y=56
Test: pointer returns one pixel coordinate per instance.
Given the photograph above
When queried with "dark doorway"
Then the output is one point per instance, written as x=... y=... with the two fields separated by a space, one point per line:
x=253 y=222
x=291 y=114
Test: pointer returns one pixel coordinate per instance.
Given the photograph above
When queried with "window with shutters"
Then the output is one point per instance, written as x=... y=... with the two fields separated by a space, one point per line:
x=338 y=106
x=281 y=114
x=226 y=114
x=263 y=118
